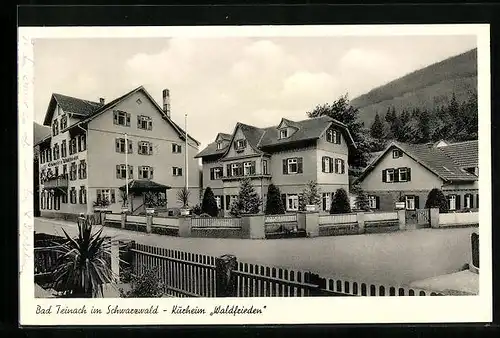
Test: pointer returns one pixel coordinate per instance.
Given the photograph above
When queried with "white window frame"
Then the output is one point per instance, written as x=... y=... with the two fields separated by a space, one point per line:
x=176 y=148
x=142 y=170
x=452 y=200
x=177 y=171
x=338 y=165
x=144 y=120
x=467 y=201
x=398 y=152
x=290 y=162
x=264 y=167
x=283 y=133
x=217 y=173
x=234 y=168
x=247 y=168
x=372 y=202
x=327 y=164
x=219 y=145
x=410 y=202
x=121 y=115
x=240 y=143
x=144 y=145
x=387 y=172
x=326 y=200
x=405 y=171
x=106 y=195
x=292 y=202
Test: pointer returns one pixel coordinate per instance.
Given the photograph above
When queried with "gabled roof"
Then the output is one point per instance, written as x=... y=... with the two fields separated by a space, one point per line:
x=435 y=159
x=103 y=108
x=262 y=139
x=464 y=154
x=224 y=136
x=144 y=185
x=71 y=105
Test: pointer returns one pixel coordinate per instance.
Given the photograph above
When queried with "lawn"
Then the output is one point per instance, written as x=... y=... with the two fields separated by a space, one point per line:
x=390 y=258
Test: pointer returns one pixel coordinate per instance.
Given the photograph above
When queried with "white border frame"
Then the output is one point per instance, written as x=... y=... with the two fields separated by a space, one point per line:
x=315 y=310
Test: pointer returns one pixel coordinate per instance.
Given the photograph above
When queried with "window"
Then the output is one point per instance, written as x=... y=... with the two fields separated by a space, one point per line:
x=65 y=170
x=292 y=165
x=144 y=122
x=63 y=149
x=235 y=169
x=82 y=196
x=42 y=200
x=64 y=122
x=219 y=145
x=452 y=202
x=64 y=198
x=145 y=148
x=72 y=171
x=264 y=167
x=468 y=201
x=327 y=164
x=49 y=155
x=339 y=166
x=82 y=142
x=42 y=156
x=333 y=136
x=372 y=202
x=283 y=133
x=56 y=151
x=240 y=144
x=326 y=201
x=42 y=175
x=176 y=148
x=138 y=101
x=410 y=202
x=56 y=171
x=72 y=195
x=389 y=175
x=215 y=173
x=106 y=195
x=145 y=172
x=120 y=146
x=55 y=127
x=218 y=201
x=121 y=171
x=397 y=153
x=82 y=170
x=49 y=200
x=176 y=171
x=403 y=174
x=292 y=203
x=72 y=146
x=249 y=168
x=121 y=118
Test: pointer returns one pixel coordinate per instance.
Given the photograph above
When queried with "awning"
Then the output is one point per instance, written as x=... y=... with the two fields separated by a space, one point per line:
x=144 y=186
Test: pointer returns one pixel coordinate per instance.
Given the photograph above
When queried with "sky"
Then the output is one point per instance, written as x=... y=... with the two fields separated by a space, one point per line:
x=221 y=81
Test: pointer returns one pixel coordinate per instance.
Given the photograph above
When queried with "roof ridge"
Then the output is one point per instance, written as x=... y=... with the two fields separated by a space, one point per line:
x=460 y=142
x=76 y=98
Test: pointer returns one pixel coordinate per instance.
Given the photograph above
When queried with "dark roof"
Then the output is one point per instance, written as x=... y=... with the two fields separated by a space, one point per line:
x=225 y=136
x=144 y=185
x=464 y=154
x=72 y=105
x=40 y=132
x=265 y=138
x=441 y=161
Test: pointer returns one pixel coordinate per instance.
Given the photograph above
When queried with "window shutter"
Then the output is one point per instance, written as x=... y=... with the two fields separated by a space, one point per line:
x=129 y=147
x=477 y=201
x=458 y=202
x=244 y=143
x=115 y=117
x=98 y=194
x=128 y=120
x=342 y=166
x=150 y=125
x=285 y=167
x=299 y=165
x=396 y=174
x=323 y=167
x=408 y=174
x=384 y=176
x=150 y=149
x=338 y=138
x=471 y=199
x=151 y=172
x=113 y=196
x=212 y=175
x=417 y=203
x=335 y=165
x=117 y=171
x=130 y=172
x=228 y=201
x=180 y=171
x=283 y=200
x=234 y=145
x=138 y=121
x=221 y=202
x=252 y=171
x=228 y=170
x=377 y=202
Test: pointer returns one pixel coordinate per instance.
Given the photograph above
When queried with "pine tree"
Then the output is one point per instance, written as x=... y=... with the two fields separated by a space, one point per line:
x=362 y=202
x=340 y=203
x=436 y=199
x=209 y=204
x=310 y=196
x=274 y=203
x=424 y=126
x=377 y=130
x=248 y=201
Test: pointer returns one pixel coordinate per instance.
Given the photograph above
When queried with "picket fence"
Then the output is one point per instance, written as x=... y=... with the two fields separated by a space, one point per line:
x=280 y=218
x=185 y=274
x=458 y=218
x=380 y=216
x=337 y=219
x=216 y=222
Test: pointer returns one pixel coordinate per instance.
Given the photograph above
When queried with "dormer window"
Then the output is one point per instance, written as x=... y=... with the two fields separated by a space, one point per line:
x=219 y=145
x=240 y=144
x=283 y=133
x=333 y=136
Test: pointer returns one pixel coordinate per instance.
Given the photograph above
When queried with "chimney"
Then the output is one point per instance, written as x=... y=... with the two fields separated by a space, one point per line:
x=101 y=100
x=166 y=102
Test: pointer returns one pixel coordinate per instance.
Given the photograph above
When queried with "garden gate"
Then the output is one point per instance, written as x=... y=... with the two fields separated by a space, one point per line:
x=418 y=217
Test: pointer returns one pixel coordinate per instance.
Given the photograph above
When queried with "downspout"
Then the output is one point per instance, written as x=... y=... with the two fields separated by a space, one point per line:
x=261 y=181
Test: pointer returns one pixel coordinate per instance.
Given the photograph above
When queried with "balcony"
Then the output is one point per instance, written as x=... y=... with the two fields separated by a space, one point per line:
x=56 y=182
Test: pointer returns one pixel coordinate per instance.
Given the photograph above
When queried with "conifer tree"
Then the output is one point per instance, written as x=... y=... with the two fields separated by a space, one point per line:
x=310 y=196
x=274 y=204
x=248 y=201
x=436 y=199
x=377 y=130
x=340 y=203
x=209 y=204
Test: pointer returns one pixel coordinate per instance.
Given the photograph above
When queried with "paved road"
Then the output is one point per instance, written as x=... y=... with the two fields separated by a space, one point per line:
x=392 y=258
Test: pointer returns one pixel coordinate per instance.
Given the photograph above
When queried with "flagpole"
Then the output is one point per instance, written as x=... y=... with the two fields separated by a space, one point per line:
x=186 y=152
x=126 y=168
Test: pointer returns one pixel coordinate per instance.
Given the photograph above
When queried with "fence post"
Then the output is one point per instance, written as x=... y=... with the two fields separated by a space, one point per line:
x=360 y=216
x=184 y=226
x=123 y=219
x=115 y=258
x=149 y=222
x=256 y=226
x=434 y=217
x=126 y=261
x=312 y=223
x=225 y=283
x=317 y=281
x=402 y=219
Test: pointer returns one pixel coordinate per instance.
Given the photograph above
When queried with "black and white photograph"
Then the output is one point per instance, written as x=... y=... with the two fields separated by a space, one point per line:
x=231 y=168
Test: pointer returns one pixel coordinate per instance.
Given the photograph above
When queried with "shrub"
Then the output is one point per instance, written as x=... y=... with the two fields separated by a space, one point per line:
x=248 y=201
x=436 y=199
x=197 y=210
x=340 y=203
x=309 y=196
x=274 y=203
x=209 y=205
x=147 y=285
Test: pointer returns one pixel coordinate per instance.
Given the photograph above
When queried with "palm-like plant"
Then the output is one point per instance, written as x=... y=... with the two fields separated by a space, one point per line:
x=183 y=196
x=83 y=267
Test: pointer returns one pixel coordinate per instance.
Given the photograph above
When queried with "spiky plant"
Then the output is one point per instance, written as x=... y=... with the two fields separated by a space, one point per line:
x=83 y=265
x=183 y=196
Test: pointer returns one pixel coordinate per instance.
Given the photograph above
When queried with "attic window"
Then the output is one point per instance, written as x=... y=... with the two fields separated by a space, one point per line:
x=397 y=153
x=138 y=101
x=219 y=145
x=333 y=136
x=283 y=133
x=240 y=144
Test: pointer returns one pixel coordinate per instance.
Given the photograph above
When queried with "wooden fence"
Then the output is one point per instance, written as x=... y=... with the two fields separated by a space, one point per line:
x=280 y=218
x=219 y=222
x=337 y=219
